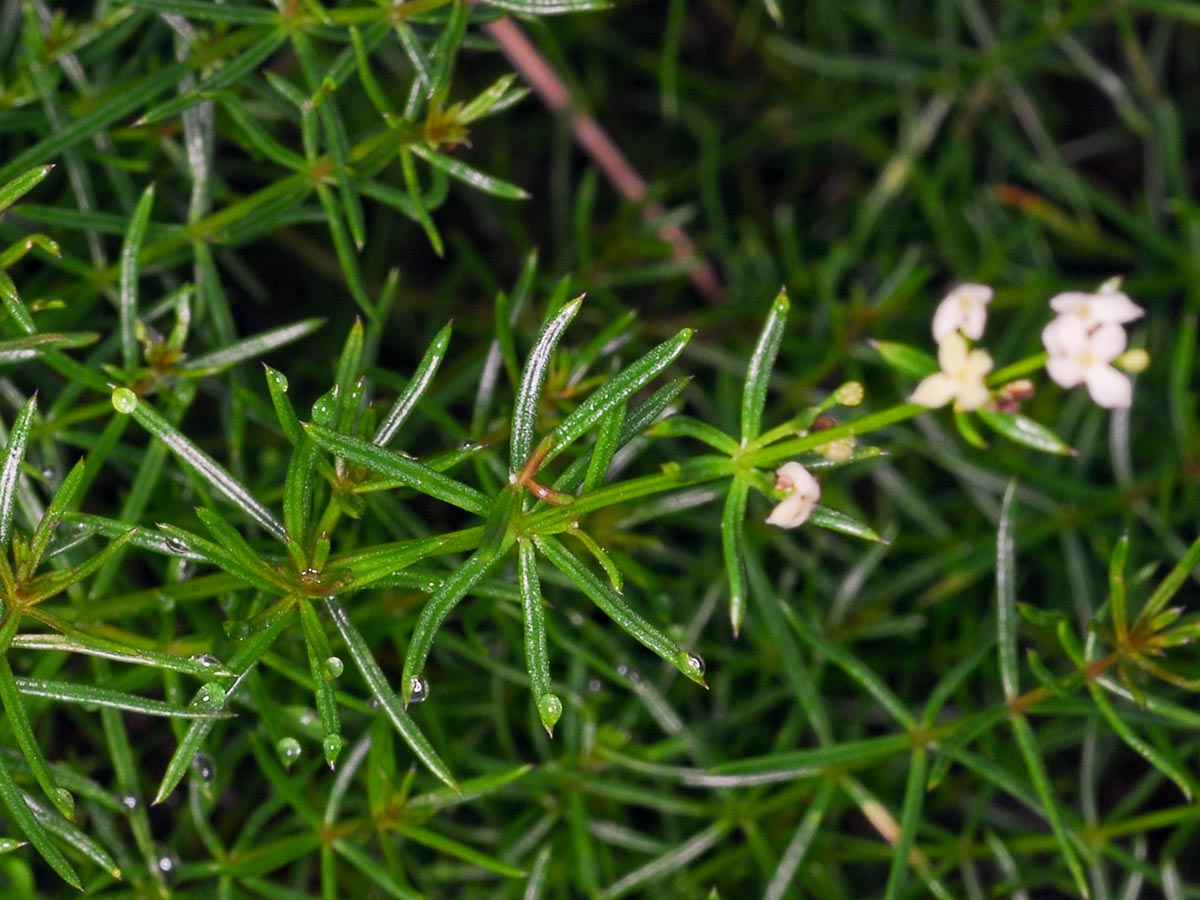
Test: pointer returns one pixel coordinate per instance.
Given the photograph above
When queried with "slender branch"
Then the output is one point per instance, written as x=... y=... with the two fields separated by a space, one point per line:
x=604 y=152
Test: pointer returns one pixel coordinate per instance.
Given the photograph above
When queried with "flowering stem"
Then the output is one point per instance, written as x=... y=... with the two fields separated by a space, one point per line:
x=769 y=456
x=1021 y=367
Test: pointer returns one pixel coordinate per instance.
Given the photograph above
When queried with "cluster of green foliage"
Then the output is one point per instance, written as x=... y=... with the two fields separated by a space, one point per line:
x=308 y=591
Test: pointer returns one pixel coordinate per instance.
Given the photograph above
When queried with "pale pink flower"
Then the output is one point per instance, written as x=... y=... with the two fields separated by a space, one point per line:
x=960 y=380
x=1104 y=308
x=963 y=309
x=1082 y=356
x=803 y=492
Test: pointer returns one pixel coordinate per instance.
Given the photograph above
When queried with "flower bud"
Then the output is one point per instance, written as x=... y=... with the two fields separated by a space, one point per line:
x=850 y=393
x=1133 y=361
x=838 y=451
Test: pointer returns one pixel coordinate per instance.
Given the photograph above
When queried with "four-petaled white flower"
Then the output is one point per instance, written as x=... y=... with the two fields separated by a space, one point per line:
x=963 y=309
x=1093 y=310
x=803 y=492
x=960 y=380
x=1082 y=356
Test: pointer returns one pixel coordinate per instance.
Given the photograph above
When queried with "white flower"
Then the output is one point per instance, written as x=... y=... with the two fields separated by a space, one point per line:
x=960 y=380
x=1080 y=356
x=803 y=493
x=1093 y=310
x=963 y=309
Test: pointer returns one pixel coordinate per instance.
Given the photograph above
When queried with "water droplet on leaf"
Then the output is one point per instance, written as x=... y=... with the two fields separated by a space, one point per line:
x=332 y=747
x=550 y=711
x=204 y=767
x=334 y=667
x=207 y=660
x=322 y=410
x=289 y=751
x=694 y=664
x=130 y=802
x=236 y=629
x=167 y=863
x=124 y=400
x=210 y=696
x=418 y=689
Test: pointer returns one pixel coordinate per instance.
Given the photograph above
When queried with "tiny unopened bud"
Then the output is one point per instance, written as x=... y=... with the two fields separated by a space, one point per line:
x=1112 y=285
x=850 y=393
x=1133 y=361
x=823 y=423
x=838 y=451
x=1010 y=396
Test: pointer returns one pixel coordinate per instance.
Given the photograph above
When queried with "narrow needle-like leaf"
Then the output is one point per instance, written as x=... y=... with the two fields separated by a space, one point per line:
x=10 y=470
x=524 y=417
x=203 y=464
x=762 y=362
x=615 y=607
x=414 y=390
x=131 y=250
x=382 y=692
x=537 y=660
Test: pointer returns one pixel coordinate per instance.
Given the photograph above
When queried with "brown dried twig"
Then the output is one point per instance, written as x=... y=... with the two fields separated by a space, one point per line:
x=595 y=142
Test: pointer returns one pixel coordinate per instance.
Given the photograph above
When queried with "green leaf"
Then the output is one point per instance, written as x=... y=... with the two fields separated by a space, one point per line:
x=459 y=170
x=234 y=14
x=325 y=669
x=1006 y=593
x=21 y=348
x=549 y=7
x=233 y=546
x=18 y=187
x=17 y=717
x=614 y=391
x=10 y=471
x=608 y=440
x=968 y=431
x=382 y=692
x=1049 y=800
x=112 y=109
x=131 y=249
x=74 y=641
x=529 y=394
x=253 y=347
x=456 y=849
x=14 y=799
x=199 y=461
x=414 y=390
x=762 y=363
x=483 y=102
x=403 y=469
x=825 y=517
x=248 y=654
x=537 y=660
x=1167 y=587
x=686 y=426
x=277 y=386
x=1023 y=430
x=231 y=72
x=733 y=548
x=910 y=821
x=298 y=491
x=236 y=564
x=92 y=695
x=905 y=359
x=495 y=543
x=814 y=762
x=52 y=519
x=852 y=665
x=614 y=606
